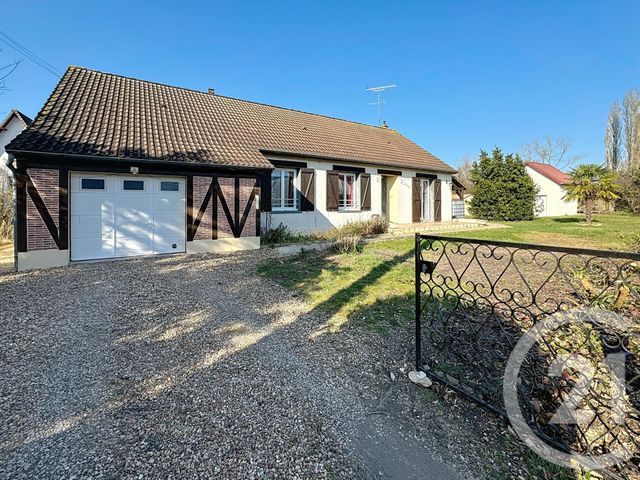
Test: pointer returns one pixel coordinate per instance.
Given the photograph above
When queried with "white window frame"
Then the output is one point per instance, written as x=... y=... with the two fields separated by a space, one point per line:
x=296 y=188
x=342 y=177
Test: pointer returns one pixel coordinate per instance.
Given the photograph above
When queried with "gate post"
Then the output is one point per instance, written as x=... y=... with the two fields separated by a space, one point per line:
x=418 y=302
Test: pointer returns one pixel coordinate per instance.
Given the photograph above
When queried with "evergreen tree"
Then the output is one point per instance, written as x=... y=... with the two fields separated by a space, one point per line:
x=503 y=189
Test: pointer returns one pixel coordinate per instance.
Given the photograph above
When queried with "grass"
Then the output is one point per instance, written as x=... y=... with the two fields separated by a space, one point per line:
x=614 y=231
x=374 y=286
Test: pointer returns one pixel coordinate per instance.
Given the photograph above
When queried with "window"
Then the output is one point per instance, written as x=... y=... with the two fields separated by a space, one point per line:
x=133 y=185
x=169 y=186
x=283 y=190
x=92 y=184
x=347 y=193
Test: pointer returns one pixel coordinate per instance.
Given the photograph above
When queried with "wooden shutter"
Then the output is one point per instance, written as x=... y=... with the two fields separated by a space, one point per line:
x=437 y=203
x=265 y=192
x=333 y=187
x=415 y=199
x=365 y=191
x=307 y=189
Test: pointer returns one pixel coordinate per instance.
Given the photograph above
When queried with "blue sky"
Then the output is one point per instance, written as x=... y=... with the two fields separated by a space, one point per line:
x=471 y=75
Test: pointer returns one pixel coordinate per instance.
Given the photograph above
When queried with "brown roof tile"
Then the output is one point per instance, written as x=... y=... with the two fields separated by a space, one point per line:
x=99 y=114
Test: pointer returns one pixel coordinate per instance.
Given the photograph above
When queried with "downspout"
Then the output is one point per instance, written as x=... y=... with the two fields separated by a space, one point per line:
x=13 y=177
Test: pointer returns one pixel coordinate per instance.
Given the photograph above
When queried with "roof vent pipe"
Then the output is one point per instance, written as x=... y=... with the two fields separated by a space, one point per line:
x=212 y=91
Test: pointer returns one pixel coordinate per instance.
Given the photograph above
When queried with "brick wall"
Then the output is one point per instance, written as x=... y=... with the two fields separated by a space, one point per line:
x=200 y=188
x=227 y=187
x=246 y=185
x=46 y=182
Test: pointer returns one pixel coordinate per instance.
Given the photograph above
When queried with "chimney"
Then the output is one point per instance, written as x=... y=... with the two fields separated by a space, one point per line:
x=211 y=91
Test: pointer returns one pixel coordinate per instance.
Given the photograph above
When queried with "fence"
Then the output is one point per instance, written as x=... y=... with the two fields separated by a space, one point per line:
x=457 y=208
x=476 y=300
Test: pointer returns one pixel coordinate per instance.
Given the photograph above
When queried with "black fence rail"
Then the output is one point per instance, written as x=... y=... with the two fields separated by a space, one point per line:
x=577 y=385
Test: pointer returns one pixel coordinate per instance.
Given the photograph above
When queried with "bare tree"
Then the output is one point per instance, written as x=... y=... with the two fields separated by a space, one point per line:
x=613 y=138
x=553 y=151
x=464 y=172
x=631 y=116
x=5 y=71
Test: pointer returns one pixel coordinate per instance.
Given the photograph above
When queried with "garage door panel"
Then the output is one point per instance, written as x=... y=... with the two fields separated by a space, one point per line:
x=116 y=222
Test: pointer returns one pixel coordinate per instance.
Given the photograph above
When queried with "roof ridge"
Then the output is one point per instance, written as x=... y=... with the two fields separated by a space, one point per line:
x=193 y=90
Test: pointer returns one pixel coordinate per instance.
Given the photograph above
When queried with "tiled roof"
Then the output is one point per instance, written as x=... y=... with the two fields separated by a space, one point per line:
x=98 y=114
x=552 y=173
x=17 y=114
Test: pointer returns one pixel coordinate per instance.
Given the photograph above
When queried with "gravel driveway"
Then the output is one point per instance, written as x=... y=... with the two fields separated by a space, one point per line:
x=193 y=366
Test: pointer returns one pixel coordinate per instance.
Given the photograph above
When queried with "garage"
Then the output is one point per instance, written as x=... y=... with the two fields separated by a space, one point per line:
x=121 y=216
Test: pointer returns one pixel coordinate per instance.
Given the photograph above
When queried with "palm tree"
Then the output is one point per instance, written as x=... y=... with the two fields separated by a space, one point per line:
x=589 y=183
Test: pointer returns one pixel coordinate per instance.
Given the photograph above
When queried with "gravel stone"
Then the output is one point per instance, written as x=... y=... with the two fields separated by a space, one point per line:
x=195 y=366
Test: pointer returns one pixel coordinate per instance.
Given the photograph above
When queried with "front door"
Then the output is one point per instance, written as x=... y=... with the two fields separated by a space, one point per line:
x=426 y=202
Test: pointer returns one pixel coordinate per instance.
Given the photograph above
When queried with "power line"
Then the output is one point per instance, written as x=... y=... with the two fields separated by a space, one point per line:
x=29 y=54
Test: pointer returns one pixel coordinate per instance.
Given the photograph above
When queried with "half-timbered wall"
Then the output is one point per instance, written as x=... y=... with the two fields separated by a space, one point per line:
x=45 y=182
x=224 y=207
x=222 y=210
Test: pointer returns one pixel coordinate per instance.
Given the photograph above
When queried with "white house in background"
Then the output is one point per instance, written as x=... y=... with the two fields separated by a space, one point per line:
x=10 y=127
x=550 y=199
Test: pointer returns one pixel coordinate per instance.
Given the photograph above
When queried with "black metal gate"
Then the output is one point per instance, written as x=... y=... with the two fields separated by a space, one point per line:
x=476 y=300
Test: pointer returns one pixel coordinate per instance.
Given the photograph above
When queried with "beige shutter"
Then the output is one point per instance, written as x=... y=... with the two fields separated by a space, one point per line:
x=365 y=191
x=333 y=188
x=307 y=189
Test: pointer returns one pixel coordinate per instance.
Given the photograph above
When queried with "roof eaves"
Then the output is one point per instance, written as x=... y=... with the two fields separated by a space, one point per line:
x=356 y=160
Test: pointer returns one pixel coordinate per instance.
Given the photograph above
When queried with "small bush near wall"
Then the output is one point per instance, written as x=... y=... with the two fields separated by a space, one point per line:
x=373 y=226
x=346 y=243
x=282 y=234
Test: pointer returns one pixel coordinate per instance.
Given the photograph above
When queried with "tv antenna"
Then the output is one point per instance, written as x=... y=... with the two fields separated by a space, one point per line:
x=379 y=102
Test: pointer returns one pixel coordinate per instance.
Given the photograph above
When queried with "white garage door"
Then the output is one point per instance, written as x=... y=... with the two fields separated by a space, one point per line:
x=120 y=216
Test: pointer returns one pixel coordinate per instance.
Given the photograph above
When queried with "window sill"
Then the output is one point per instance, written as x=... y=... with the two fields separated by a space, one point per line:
x=287 y=211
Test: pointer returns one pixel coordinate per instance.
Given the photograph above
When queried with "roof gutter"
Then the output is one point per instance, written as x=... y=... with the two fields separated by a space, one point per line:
x=76 y=156
x=351 y=160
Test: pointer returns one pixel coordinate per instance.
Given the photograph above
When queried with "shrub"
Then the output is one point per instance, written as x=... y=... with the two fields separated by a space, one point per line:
x=629 y=180
x=373 y=226
x=503 y=190
x=280 y=234
x=346 y=243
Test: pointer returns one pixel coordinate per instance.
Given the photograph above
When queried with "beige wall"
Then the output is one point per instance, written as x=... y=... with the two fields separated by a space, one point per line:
x=556 y=205
x=400 y=201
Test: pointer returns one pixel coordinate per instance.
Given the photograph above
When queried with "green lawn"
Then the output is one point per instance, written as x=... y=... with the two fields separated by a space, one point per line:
x=614 y=231
x=375 y=286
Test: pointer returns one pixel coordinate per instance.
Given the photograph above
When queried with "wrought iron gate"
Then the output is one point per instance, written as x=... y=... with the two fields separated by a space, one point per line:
x=476 y=300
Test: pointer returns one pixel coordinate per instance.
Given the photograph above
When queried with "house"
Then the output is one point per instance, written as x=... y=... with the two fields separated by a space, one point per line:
x=10 y=127
x=114 y=167
x=550 y=200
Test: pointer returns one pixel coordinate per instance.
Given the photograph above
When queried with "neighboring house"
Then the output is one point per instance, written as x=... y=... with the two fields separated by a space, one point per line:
x=550 y=199
x=10 y=127
x=458 y=195
x=113 y=167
